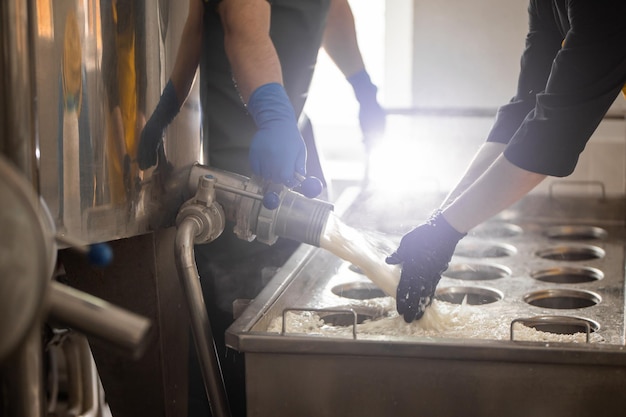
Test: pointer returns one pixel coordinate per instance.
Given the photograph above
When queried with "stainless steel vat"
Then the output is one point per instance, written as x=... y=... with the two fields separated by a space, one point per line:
x=347 y=372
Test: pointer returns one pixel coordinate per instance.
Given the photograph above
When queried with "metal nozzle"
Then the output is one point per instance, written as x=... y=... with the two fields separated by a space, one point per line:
x=297 y=217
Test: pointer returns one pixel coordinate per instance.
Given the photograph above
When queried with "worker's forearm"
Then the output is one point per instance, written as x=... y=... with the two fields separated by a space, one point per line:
x=248 y=45
x=188 y=56
x=485 y=156
x=502 y=185
x=340 y=42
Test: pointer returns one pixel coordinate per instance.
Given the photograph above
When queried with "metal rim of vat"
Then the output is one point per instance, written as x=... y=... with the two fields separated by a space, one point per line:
x=571 y=253
x=496 y=230
x=472 y=295
x=563 y=299
x=480 y=249
x=358 y=291
x=576 y=232
x=476 y=271
x=568 y=275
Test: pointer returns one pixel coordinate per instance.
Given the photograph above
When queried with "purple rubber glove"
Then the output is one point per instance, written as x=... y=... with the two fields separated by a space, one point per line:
x=372 y=116
x=277 y=150
x=152 y=133
x=424 y=254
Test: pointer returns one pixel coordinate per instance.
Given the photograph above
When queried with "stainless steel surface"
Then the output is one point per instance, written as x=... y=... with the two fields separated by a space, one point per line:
x=17 y=101
x=203 y=210
x=96 y=70
x=27 y=254
x=297 y=217
x=387 y=373
x=238 y=208
x=95 y=317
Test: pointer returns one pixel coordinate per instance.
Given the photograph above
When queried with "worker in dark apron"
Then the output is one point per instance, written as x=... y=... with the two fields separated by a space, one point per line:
x=232 y=269
x=229 y=267
x=572 y=69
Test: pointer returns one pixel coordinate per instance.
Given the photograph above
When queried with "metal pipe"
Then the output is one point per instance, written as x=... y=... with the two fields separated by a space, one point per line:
x=96 y=317
x=22 y=379
x=75 y=388
x=186 y=233
x=90 y=380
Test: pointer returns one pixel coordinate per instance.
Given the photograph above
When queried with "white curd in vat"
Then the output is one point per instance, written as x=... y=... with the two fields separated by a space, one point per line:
x=440 y=320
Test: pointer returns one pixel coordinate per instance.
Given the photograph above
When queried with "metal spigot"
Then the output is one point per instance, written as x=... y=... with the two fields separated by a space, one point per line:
x=207 y=215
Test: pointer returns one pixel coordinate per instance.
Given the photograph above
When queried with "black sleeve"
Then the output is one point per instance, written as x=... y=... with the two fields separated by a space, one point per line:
x=585 y=78
x=542 y=44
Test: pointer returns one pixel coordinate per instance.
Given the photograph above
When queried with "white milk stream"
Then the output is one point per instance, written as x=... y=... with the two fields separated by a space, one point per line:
x=352 y=246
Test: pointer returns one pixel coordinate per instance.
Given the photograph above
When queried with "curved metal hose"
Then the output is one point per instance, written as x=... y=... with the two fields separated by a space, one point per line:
x=200 y=325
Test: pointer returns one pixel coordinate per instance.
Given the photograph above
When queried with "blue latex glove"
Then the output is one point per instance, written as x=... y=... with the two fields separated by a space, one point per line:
x=152 y=133
x=424 y=254
x=277 y=150
x=372 y=116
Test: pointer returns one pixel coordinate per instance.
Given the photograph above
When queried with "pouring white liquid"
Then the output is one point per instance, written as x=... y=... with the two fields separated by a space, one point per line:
x=352 y=246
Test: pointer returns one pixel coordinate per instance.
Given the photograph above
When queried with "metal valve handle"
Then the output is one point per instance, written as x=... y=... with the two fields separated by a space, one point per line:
x=310 y=187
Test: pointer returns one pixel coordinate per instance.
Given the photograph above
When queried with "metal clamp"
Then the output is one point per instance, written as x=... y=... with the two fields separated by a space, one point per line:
x=530 y=321
x=204 y=211
x=321 y=310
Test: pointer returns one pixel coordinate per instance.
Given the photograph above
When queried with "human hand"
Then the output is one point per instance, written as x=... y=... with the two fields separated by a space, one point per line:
x=152 y=133
x=424 y=254
x=151 y=139
x=277 y=151
x=372 y=117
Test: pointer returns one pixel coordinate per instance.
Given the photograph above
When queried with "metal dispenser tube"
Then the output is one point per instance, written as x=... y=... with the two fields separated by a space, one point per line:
x=298 y=218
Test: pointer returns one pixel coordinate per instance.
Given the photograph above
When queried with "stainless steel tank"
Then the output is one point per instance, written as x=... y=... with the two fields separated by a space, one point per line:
x=80 y=78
